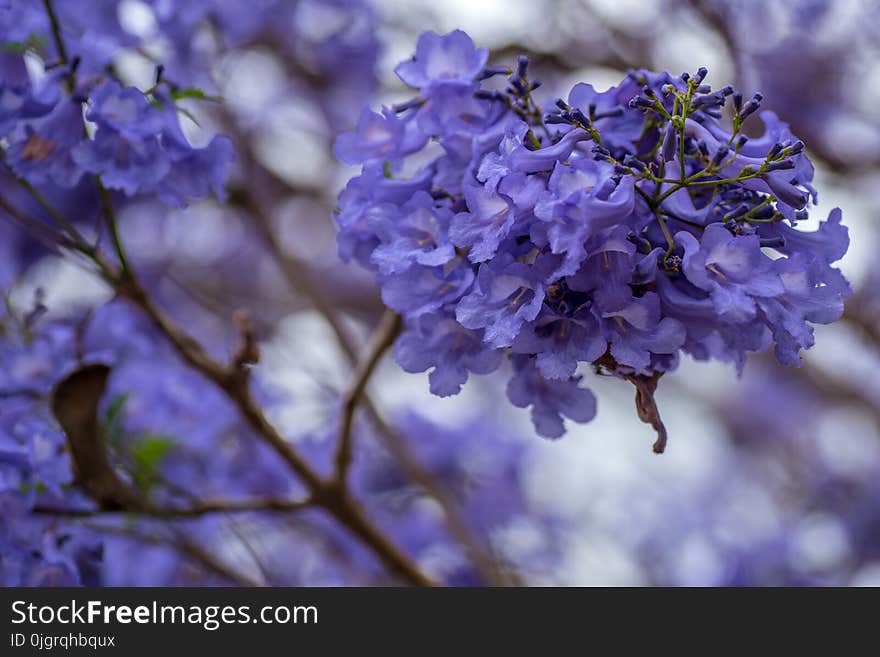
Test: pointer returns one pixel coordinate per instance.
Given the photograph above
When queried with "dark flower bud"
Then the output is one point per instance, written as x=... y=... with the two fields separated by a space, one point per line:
x=720 y=154
x=795 y=148
x=580 y=117
x=748 y=109
x=634 y=163
x=774 y=150
x=522 y=65
x=555 y=119
x=613 y=112
x=737 y=101
x=702 y=72
x=639 y=102
x=483 y=94
x=738 y=211
x=780 y=165
x=491 y=71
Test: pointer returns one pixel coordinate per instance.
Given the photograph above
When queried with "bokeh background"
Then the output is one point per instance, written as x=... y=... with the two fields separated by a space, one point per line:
x=772 y=478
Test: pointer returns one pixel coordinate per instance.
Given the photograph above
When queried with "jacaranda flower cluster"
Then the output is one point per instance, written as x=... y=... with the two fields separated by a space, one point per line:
x=616 y=228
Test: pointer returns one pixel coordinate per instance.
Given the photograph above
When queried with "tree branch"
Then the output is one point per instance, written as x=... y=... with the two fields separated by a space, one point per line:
x=383 y=337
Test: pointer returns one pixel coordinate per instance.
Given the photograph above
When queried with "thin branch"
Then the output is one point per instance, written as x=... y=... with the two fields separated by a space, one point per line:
x=113 y=226
x=205 y=507
x=327 y=495
x=34 y=227
x=56 y=31
x=184 y=545
x=383 y=337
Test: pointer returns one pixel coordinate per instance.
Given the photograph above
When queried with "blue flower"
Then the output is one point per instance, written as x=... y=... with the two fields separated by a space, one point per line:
x=443 y=59
x=417 y=235
x=507 y=293
x=487 y=223
x=731 y=268
x=441 y=343
x=420 y=289
x=43 y=153
x=561 y=341
x=550 y=400
x=378 y=137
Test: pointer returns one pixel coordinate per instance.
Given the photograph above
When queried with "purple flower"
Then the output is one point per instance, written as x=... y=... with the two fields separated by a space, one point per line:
x=560 y=341
x=637 y=332
x=420 y=289
x=19 y=100
x=732 y=268
x=418 y=235
x=551 y=400
x=43 y=153
x=378 y=137
x=507 y=293
x=441 y=343
x=451 y=58
x=490 y=217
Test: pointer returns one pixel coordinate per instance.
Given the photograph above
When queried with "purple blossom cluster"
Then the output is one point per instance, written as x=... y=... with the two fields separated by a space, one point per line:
x=138 y=145
x=619 y=228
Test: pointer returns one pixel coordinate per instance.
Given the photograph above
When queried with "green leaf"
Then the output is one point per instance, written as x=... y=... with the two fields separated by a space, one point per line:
x=193 y=92
x=33 y=42
x=147 y=455
x=37 y=486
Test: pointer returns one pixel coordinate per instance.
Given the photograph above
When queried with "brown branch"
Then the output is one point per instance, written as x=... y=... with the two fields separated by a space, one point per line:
x=325 y=494
x=383 y=337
